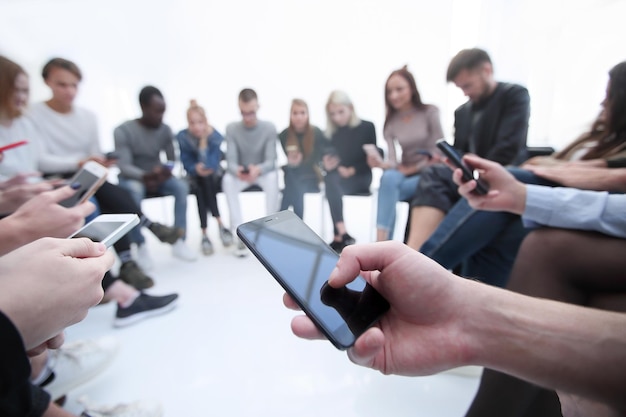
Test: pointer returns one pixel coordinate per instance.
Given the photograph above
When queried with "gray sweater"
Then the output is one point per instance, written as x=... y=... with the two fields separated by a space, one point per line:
x=256 y=146
x=139 y=148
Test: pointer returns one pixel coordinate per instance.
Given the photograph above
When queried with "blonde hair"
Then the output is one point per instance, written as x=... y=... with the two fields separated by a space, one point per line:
x=194 y=107
x=341 y=98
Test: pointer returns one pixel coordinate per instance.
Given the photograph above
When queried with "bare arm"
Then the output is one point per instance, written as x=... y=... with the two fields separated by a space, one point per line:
x=584 y=177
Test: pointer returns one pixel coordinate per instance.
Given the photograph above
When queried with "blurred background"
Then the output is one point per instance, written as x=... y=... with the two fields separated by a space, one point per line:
x=209 y=50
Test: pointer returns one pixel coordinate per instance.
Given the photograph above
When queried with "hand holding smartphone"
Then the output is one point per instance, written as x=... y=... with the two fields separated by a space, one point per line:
x=301 y=262
x=90 y=177
x=468 y=173
x=107 y=228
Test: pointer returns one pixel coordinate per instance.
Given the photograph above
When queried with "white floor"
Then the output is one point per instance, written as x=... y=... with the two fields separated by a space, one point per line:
x=227 y=348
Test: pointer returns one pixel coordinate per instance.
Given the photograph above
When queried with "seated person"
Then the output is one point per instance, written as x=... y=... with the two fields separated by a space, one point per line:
x=303 y=144
x=68 y=137
x=139 y=143
x=250 y=160
x=414 y=126
x=489 y=252
x=492 y=124
x=345 y=161
x=552 y=263
x=200 y=154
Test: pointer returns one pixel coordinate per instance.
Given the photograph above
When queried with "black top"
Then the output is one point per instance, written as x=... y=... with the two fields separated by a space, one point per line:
x=348 y=143
x=17 y=397
x=497 y=127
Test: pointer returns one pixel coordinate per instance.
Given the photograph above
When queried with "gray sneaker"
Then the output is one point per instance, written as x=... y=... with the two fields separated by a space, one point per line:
x=207 y=246
x=226 y=237
x=166 y=234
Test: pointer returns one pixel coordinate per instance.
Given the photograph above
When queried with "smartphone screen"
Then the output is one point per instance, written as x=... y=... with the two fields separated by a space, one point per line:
x=88 y=179
x=302 y=262
x=108 y=229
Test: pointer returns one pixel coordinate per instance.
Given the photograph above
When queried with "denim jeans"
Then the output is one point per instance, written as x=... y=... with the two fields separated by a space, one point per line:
x=394 y=187
x=483 y=243
x=174 y=187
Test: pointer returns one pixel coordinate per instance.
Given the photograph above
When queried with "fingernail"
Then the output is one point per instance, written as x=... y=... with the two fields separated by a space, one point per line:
x=75 y=185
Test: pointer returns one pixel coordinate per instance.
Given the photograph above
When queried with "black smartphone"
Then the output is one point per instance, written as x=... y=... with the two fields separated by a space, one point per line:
x=110 y=156
x=468 y=172
x=301 y=262
x=245 y=170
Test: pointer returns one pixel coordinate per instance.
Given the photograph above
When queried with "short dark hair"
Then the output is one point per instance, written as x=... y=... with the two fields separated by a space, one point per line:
x=62 y=63
x=467 y=59
x=146 y=94
x=247 y=94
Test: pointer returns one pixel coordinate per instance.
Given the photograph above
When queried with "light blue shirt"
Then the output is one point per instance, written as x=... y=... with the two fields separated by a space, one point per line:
x=571 y=208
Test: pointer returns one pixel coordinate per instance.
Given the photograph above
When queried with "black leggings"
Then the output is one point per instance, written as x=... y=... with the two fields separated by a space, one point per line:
x=337 y=187
x=583 y=268
x=206 y=197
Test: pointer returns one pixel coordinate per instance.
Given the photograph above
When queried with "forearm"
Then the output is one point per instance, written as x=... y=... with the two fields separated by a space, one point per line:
x=13 y=235
x=556 y=345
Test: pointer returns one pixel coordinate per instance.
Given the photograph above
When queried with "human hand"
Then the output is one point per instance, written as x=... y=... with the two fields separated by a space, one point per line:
x=375 y=161
x=13 y=197
x=505 y=192
x=203 y=171
x=294 y=158
x=255 y=172
x=422 y=333
x=18 y=179
x=50 y=284
x=42 y=216
x=330 y=162
x=346 y=172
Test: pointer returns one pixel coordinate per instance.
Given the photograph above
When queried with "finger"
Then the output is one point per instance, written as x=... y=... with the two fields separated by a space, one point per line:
x=82 y=248
x=477 y=162
x=367 y=347
x=365 y=257
x=466 y=188
x=303 y=327
x=61 y=193
x=457 y=176
x=56 y=342
x=84 y=209
x=290 y=303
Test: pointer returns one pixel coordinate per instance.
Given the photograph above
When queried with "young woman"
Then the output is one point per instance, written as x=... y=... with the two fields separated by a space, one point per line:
x=303 y=145
x=345 y=160
x=414 y=126
x=200 y=154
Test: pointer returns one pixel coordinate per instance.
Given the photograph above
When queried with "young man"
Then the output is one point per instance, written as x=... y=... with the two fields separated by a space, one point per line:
x=139 y=143
x=493 y=124
x=71 y=139
x=251 y=160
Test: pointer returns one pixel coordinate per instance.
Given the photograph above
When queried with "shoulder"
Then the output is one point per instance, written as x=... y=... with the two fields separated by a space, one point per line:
x=282 y=135
x=267 y=126
x=513 y=91
x=366 y=124
x=182 y=134
x=318 y=133
x=127 y=126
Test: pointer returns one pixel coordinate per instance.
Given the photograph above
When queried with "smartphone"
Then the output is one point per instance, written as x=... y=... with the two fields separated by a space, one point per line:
x=245 y=170
x=108 y=228
x=13 y=145
x=468 y=172
x=90 y=177
x=424 y=152
x=301 y=262
x=110 y=156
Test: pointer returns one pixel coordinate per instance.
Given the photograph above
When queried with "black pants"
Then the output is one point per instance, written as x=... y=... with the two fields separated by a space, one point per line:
x=337 y=187
x=206 y=189
x=298 y=181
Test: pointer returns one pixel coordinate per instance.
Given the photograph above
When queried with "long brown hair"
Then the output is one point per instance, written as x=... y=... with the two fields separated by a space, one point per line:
x=607 y=136
x=416 y=99
x=9 y=71
x=308 y=140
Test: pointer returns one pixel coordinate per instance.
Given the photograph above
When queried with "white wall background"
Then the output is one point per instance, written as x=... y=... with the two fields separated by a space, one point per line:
x=208 y=50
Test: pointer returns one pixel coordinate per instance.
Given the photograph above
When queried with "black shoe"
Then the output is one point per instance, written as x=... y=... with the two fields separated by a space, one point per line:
x=337 y=246
x=131 y=274
x=143 y=307
x=166 y=234
x=347 y=239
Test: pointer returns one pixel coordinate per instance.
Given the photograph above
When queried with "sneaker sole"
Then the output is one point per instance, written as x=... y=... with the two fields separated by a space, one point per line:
x=126 y=321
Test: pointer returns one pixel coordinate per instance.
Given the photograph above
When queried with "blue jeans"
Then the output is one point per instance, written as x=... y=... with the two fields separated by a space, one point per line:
x=484 y=243
x=394 y=187
x=174 y=187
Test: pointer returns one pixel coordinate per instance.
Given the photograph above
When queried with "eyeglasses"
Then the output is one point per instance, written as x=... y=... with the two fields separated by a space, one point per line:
x=248 y=113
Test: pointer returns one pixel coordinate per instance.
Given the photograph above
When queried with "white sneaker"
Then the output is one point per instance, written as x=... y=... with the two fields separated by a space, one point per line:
x=75 y=363
x=241 y=250
x=136 y=409
x=182 y=251
x=143 y=258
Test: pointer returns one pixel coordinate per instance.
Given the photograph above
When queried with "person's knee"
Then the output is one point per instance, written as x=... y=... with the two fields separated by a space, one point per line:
x=544 y=244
